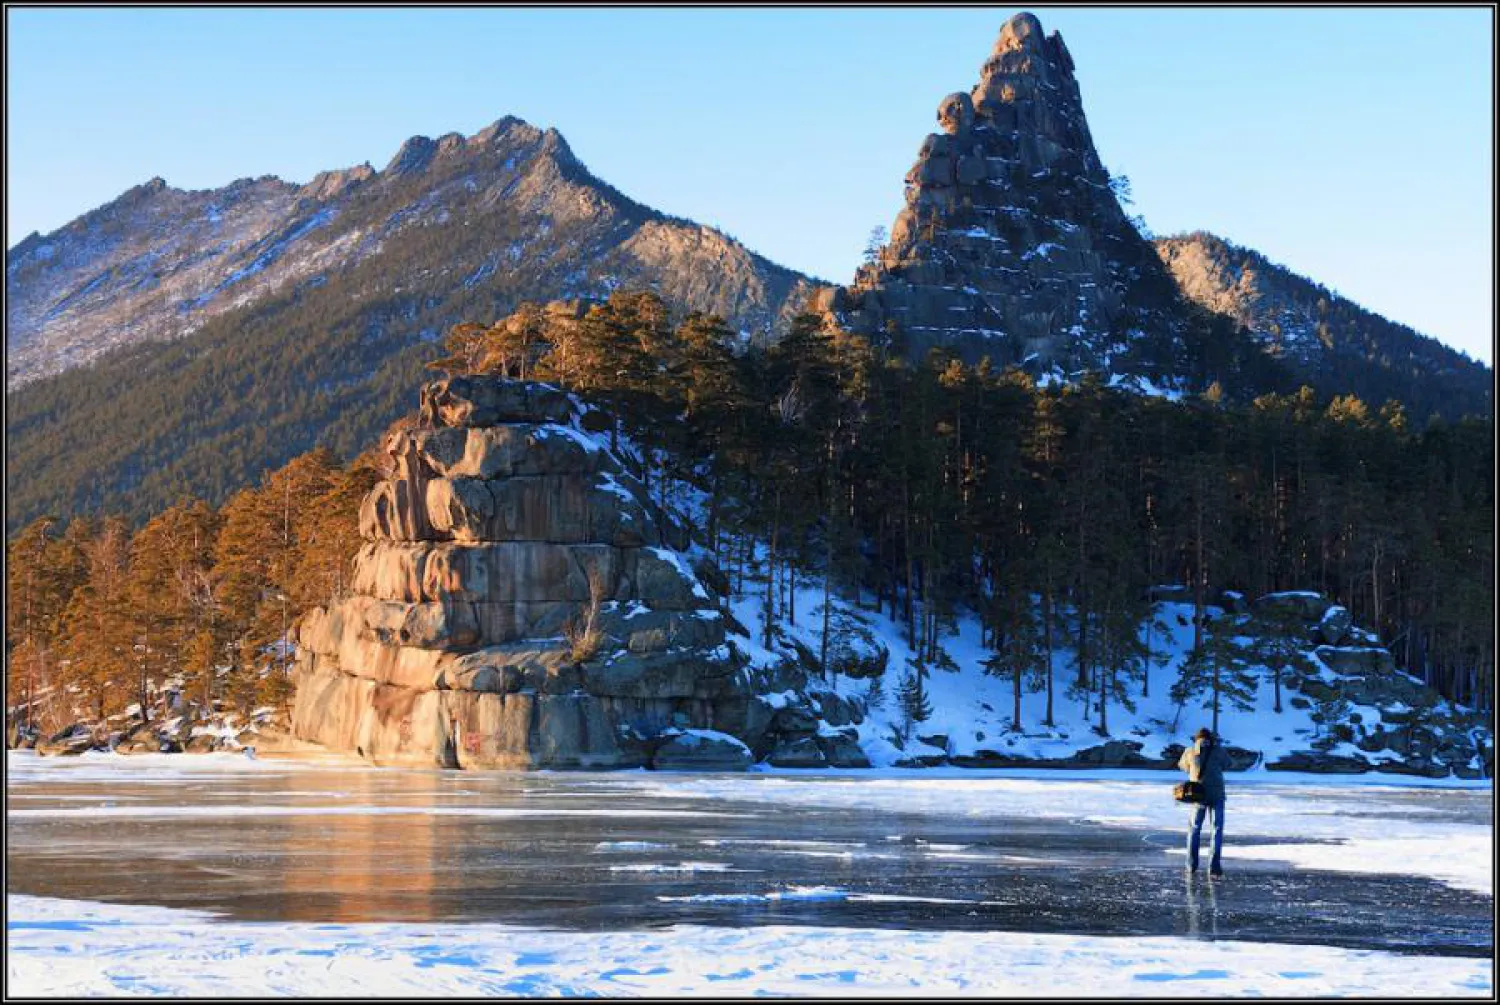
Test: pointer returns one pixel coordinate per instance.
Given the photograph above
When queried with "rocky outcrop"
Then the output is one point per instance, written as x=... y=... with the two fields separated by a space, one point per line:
x=1013 y=244
x=175 y=726
x=521 y=603
x=67 y=742
x=1370 y=714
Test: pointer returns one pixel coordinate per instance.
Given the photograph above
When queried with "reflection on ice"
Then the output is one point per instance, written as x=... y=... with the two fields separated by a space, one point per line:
x=984 y=852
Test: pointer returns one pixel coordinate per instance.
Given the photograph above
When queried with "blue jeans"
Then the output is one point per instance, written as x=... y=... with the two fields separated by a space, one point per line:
x=1196 y=831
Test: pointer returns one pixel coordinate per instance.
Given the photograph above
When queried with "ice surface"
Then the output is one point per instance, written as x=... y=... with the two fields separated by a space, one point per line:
x=76 y=948
x=327 y=878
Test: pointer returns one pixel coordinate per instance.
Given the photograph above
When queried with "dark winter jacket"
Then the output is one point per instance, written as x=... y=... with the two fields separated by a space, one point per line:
x=1212 y=760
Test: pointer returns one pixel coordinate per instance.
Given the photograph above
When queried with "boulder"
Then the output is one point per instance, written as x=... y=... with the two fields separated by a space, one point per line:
x=510 y=450
x=794 y=718
x=747 y=718
x=68 y=742
x=1318 y=762
x=778 y=678
x=423 y=625
x=1350 y=661
x=647 y=675
x=1302 y=605
x=956 y=114
x=1334 y=627
x=203 y=743
x=642 y=630
x=480 y=400
x=709 y=574
x=797 y=752
x=938 y=740
x=701 y=750
x=1414 y=766
x=922 y=759
x=663 y=580
x=577 y=731
x=841 y=749
x=1318 y=690
x=862 y=661
x=838 y=710
x=1113 y=754
x=1240 y=758
x=147 y=738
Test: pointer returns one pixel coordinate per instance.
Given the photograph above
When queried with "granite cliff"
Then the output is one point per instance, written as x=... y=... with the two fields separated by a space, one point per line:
x=520 y=603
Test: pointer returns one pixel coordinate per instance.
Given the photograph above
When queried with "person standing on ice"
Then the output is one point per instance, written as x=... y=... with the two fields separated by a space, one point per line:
x=1205 y=762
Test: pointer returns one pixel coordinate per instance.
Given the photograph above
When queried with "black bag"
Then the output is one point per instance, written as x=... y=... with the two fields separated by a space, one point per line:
x=1188 y=792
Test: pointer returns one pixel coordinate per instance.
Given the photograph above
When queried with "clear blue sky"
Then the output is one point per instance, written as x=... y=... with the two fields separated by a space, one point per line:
x=1355 y=146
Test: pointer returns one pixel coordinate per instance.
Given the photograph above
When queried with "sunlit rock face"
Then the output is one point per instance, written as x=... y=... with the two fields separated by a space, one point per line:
x=1012 y=244
x=504 y=535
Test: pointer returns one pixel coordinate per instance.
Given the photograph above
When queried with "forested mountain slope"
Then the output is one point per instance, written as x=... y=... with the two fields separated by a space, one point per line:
x=299 y=317
x=1328 y=340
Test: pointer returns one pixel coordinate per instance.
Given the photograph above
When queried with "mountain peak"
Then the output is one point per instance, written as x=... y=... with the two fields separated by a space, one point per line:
x=497 y=129
x=554 y=145
x=1012 y=244
x=328 y=184
x=414 y=155
x=1022 y=32
x=144 y=190
x=419 y=152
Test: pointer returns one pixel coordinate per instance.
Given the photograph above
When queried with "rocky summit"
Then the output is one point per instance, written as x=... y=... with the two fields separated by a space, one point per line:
x=521 y=603
x=461 y=217
x=1013 y=244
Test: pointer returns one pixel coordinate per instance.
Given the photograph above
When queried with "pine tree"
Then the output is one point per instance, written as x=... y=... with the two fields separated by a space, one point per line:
x=916 y=707
x=98 y=634
x=1219 y=671
x=43 y=568
x=169 y=591
x=1278 y=644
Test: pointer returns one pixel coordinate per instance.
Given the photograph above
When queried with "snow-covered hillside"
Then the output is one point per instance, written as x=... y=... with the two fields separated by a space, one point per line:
x=1353 y=725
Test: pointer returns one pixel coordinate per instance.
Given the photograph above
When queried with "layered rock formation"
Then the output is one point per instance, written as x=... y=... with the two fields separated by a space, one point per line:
x=1012 y=244
x=520 y=603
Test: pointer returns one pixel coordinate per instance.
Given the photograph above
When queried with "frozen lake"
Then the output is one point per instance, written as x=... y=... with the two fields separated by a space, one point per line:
x=1348 y=865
